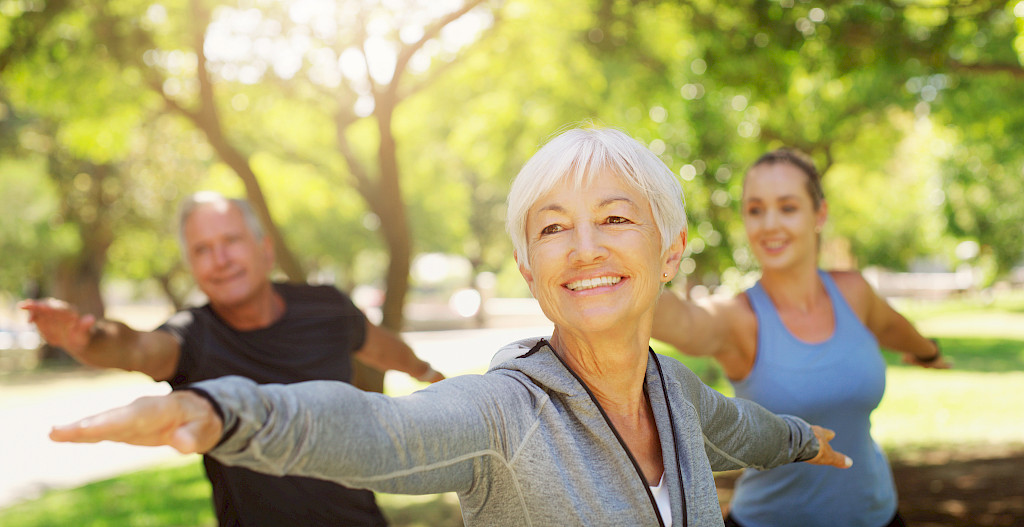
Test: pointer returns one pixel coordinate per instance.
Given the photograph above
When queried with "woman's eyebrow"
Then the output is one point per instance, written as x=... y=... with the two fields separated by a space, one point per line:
x=554 y=207
x=616 y=199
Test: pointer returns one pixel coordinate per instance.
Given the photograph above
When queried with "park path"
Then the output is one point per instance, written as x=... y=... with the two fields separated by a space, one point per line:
x=31 y=464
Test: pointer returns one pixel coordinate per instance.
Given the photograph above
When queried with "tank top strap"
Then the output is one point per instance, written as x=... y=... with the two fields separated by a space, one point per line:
x=845 y=318
x=761 y=303
x=772 y=334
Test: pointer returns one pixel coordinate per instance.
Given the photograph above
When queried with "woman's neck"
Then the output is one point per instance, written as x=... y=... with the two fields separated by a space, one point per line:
x=800 y=290
x=613 y=366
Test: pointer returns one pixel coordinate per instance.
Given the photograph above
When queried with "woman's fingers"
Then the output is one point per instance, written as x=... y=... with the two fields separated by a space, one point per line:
x=827 y=456
x=182 y=420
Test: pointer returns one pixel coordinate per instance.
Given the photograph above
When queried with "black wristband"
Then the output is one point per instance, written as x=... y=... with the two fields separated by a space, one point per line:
x=933 y=358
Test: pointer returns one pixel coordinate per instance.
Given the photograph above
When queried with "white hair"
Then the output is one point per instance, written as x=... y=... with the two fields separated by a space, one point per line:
x=203 y=197
x=579 y=154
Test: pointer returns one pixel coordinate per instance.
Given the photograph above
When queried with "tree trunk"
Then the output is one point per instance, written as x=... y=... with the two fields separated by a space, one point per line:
x=77 y=279
x=390 y=208
x=394 y=223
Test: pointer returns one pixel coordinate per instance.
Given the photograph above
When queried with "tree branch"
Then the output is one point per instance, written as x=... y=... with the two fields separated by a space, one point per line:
x=1016 y=70
x=364 y=185
x=406 y=53
x=436 y=72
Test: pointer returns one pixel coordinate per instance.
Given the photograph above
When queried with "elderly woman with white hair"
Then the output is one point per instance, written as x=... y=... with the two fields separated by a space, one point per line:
x=587 y=427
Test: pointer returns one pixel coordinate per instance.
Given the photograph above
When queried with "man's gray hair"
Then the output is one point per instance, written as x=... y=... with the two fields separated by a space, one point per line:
x=580 y=154
x=190 y=203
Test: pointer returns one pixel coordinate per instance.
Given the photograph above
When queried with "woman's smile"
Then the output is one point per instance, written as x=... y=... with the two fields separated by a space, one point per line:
x=587 y=284
x=595 y=254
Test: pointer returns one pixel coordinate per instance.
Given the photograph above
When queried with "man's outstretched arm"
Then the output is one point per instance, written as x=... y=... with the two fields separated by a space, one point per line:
x=103 y=343
x=385 y=351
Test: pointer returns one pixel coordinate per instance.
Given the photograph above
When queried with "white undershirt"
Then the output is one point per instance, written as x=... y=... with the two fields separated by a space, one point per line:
x=661 y=498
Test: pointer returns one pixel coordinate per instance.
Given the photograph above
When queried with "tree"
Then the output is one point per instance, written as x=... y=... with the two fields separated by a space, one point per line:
x=846 y=82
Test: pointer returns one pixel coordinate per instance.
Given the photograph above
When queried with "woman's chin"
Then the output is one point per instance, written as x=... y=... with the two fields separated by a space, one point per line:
x=596 y=322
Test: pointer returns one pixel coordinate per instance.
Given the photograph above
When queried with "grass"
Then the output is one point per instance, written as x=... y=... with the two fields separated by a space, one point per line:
x=178 y=494
x=974 y=405
x=173 y=495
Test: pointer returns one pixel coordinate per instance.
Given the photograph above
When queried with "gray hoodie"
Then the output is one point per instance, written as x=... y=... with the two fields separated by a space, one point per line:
x=523 y=444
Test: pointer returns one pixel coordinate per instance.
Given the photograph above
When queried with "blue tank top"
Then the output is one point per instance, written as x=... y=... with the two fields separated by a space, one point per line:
x=836 y=384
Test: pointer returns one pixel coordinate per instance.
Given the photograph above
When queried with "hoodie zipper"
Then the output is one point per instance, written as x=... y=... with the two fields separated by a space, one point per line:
x=622 y=443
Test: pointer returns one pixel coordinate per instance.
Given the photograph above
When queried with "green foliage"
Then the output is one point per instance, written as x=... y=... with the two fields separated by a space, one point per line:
x=34 y=233
x=910 y=109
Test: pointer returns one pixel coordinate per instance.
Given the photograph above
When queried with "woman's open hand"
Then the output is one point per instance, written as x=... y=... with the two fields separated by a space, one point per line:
x=827 y=456
x=182 y=419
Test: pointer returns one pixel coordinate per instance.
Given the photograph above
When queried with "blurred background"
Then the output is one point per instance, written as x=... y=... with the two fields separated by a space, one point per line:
x=377 y=140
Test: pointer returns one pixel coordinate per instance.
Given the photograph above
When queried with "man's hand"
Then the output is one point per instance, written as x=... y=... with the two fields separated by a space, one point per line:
x=827 y=456
x=60 y=324
x=183 y=420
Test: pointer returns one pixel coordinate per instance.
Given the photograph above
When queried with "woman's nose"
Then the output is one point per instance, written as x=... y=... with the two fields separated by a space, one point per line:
x=588 y=244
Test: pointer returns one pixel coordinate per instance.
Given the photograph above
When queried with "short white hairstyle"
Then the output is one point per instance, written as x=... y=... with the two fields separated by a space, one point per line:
x=577 y=156
x=204 y=197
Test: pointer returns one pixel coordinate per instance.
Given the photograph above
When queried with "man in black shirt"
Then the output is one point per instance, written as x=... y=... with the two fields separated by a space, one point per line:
x=253 y=327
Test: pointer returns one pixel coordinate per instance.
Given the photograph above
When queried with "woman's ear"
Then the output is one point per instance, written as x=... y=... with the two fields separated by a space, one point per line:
x=821 y=216
x=672 y=257
x=523 y=270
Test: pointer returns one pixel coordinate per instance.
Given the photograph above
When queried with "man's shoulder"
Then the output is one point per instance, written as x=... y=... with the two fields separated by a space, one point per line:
x=316 y=301
x=185 y=318
x=308 y=292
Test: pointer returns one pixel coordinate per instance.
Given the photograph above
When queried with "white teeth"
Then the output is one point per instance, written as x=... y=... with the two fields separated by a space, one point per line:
x=591 y=283
x=774 y=245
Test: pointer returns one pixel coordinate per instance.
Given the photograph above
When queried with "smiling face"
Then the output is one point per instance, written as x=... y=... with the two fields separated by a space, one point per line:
x=595 y=257
x=228 y=263
x=779 y=216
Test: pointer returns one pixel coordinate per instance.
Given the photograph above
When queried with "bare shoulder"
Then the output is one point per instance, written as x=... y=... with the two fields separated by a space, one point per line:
x=734 y=311
x=857 y=292
x=737 y=355
x=696 y=327
x=736 y=307
x=848 y=278
x=742 y=319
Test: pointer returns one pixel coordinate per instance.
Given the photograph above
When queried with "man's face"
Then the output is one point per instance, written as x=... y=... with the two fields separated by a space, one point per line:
x=228 y=263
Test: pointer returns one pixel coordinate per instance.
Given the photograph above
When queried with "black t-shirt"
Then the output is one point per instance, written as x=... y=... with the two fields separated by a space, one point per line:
x=313 y=340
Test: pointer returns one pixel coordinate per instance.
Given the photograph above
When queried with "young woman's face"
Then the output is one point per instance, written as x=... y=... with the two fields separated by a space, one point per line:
x=778 y=213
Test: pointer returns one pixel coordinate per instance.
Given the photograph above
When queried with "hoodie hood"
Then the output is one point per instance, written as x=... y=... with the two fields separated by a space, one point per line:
x=514 y=350
x=535 y=358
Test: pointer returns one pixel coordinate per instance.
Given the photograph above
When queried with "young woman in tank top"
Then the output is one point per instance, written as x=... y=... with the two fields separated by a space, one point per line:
x=804 y=342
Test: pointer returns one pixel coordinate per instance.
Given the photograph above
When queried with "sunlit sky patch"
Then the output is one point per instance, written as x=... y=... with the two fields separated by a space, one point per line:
x=320 y=39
